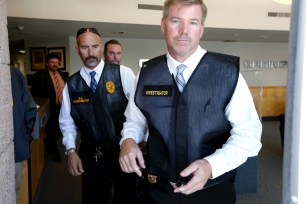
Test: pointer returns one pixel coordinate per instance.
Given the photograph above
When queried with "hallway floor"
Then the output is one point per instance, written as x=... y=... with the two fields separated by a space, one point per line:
x=57 y=186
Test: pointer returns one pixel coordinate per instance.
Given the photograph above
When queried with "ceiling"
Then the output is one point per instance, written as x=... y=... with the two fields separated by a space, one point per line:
x=20 y=29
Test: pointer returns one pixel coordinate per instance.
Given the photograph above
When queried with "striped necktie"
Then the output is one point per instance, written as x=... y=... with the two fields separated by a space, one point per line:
x=93 y=83
x=180 y=81
x=58 y=88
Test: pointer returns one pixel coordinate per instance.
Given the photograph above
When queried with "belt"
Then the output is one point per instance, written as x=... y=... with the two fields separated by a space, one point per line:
x=152 y=179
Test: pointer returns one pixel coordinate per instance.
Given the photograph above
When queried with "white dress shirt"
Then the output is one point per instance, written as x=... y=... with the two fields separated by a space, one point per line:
x=66 y=122
x=246 y=129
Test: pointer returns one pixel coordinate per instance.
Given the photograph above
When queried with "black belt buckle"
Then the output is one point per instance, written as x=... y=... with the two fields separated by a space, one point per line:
x=152 y=179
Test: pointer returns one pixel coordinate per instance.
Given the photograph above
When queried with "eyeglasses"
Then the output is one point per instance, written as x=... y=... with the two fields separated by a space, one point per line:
x=84 y=30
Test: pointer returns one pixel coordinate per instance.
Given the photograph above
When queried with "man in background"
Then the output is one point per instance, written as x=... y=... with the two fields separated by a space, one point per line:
x=113 y=52
x=49 y=83
x=113 y=55
x=24 y=115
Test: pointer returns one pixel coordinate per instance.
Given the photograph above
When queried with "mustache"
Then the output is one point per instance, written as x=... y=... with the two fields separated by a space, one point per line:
x=183 y=37
x=90 y=58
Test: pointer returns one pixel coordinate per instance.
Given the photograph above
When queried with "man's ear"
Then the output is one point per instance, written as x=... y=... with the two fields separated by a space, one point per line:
x=77 y=50
x=162 y=25
x=102 y=50
x=202 y=31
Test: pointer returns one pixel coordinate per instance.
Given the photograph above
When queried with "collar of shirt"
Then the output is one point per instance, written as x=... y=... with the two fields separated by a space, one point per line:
x=98 y=69
x=52 y=72
x=191 y=63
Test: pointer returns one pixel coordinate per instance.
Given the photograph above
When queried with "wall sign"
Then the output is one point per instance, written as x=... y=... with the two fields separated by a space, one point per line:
x=265 y=64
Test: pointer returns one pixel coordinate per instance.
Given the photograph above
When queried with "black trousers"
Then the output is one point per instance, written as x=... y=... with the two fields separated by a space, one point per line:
x=103 y=182
x=162 y=193
x=53 y=132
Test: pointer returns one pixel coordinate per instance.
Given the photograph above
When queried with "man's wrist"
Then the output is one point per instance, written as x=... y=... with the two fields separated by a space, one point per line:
x=69 y=151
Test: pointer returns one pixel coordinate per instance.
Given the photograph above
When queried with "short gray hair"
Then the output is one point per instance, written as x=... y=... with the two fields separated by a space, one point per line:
x=169 y=3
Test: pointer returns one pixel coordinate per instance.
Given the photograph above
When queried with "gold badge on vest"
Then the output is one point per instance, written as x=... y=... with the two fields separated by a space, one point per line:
x=110 y=87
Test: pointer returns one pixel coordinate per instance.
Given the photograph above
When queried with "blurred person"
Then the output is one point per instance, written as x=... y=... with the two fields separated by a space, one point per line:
x=112 y=52
x=200 y=115
x=49 y=83
x=94 y=100
x=113 y=55
x=24 y=115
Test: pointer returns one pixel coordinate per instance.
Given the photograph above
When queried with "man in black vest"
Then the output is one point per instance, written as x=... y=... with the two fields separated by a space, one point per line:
x=94 y=100
x=200 y=115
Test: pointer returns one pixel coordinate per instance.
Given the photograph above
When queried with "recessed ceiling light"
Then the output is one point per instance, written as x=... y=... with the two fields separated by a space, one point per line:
x=21 y=51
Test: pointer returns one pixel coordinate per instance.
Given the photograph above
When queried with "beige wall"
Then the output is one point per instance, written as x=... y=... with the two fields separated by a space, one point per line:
x=239 y=14
x=7 y=167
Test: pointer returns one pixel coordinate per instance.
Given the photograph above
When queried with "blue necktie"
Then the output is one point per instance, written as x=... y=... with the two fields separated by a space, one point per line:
x=180 y=81
x=93 y=83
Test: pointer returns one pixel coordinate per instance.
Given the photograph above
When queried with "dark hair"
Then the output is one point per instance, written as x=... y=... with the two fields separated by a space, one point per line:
x=113 y=41
x=52 y=55
x=84 y=30
x=169 y=3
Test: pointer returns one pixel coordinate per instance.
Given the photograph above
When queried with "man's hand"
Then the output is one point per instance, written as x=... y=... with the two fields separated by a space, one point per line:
x=75 y=164
x=130 y=158
x=200 y=170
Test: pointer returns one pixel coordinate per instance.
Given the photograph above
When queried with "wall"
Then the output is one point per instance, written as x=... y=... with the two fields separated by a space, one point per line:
x=239 y=14
x=7 y=165
x=256 y=51
x=48 y=43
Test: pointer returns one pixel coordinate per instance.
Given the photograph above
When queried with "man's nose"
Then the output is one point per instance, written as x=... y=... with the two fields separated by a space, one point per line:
x=184 y=27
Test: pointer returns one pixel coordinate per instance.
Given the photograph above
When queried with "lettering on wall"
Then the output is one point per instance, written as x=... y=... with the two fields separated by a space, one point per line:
x=265 y=64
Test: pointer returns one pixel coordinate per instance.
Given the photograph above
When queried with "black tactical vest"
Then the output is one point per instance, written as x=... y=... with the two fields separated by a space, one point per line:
x=99 y=116
x=187 y=126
